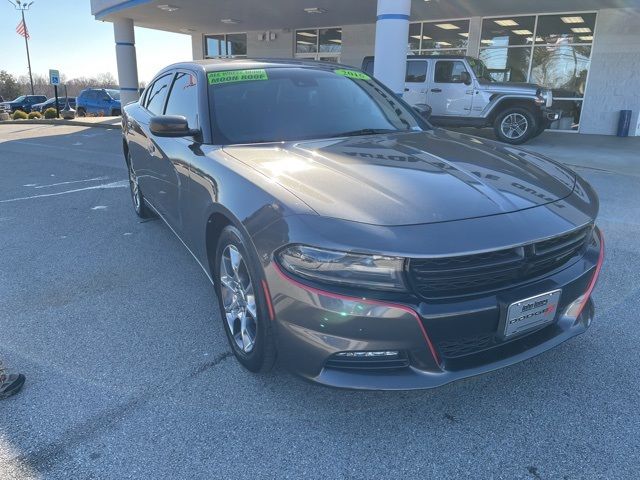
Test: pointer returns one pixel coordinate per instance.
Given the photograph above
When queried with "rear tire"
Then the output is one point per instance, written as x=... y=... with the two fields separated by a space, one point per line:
x=139 y=205
x=542 y=126
x=116 y=113
x=242 y=302
x=515 y=125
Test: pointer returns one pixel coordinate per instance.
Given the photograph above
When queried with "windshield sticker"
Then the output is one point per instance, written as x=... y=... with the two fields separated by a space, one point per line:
x=352 y=74
x=237 y=76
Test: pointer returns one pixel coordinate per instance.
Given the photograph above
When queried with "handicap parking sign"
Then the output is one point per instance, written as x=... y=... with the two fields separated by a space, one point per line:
x=54 y=77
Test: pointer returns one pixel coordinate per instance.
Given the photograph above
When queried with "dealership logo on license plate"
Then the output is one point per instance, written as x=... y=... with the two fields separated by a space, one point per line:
x=531 y=312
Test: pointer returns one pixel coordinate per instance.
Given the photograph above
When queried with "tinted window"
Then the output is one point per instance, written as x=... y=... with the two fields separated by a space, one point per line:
x=183 y=99
x=448 y=71
x=157 y=94
x=416 y=71
x=303 y=103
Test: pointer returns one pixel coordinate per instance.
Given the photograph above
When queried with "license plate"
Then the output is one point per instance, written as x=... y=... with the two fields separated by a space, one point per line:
x=531 y=312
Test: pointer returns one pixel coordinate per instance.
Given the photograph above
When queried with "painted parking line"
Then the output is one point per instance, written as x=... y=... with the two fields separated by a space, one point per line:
x=95 y=179
x=119 y=184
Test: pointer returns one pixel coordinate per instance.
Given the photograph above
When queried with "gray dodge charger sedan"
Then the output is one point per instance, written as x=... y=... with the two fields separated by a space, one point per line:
x=347 y=237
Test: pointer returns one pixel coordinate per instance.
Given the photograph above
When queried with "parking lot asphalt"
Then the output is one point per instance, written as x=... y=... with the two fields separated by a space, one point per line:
x=129 y=374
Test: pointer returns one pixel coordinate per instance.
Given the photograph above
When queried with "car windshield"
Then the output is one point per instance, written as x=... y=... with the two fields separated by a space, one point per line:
x=480 y=69
x=115 y=94
x=20 y=98
x=297 y=103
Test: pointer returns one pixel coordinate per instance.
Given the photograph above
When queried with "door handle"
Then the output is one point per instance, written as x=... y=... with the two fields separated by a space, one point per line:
x=436 y=90
x=406 y=89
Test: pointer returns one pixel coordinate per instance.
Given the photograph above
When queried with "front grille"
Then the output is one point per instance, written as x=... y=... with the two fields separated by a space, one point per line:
x=401 y=360
x=465 y=346
x=490 y=271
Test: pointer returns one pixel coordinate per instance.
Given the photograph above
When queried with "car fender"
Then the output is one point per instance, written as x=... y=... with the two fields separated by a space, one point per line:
x=220 y=184
x=499 y=100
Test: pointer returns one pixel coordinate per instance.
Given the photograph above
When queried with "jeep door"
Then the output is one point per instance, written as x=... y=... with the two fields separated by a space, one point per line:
x=448 y=95
x=416 y=86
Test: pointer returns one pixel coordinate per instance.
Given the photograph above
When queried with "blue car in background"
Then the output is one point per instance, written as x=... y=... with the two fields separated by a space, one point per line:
x=51 y=103
x=98 y=101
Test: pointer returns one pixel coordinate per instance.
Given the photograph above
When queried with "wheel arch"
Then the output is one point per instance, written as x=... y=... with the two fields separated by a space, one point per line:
x=505 y=103
x=125 y=151
x=220 y=217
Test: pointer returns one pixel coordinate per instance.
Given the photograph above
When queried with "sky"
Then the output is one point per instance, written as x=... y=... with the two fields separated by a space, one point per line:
x=86 y=49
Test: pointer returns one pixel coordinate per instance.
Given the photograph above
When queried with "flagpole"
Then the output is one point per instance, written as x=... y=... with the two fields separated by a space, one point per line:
x=22 y=5
x=26 y=43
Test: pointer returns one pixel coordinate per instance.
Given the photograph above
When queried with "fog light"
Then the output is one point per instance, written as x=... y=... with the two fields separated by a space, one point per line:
x=575 y=308
x=373 y=354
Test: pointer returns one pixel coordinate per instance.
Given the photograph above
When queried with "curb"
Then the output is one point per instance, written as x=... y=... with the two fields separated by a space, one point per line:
x=52 y=121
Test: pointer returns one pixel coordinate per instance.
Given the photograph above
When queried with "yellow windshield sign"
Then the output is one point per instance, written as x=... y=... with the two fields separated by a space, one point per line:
x=352 y=74
x=229 y=76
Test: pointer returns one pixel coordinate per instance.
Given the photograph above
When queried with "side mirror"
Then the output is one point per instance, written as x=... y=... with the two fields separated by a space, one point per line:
x=171 y=126
x=423 y=110
x=465 y=78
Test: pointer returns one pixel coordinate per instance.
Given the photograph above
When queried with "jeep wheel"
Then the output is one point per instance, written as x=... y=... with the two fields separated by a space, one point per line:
x=515 y=125
x=81 y=112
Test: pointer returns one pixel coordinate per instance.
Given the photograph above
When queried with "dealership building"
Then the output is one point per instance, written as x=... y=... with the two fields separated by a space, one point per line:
x=586 y=51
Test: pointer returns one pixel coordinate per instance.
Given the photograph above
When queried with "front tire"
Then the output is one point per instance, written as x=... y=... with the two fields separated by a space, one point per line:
x=243 y=306
x=81 y=112
x=515 y=125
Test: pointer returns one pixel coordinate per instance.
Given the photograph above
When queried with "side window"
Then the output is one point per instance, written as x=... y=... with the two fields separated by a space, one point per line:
x=448 y=71
x=416 y=71
x=157 y=94
x=183 y=99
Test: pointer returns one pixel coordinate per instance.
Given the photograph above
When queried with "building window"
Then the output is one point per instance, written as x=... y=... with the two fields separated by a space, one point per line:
x=551 y=50
x=319 y=44
x=443 y=37
x=228 y=45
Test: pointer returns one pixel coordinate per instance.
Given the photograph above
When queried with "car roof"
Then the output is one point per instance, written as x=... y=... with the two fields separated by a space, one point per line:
x=221 y=64
x=419 y=57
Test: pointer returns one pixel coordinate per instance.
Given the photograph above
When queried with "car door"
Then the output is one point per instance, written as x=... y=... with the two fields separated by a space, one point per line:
x=148 y=155
x=448 y=94
x=103 y=102
x=171 y=168
x=90 y=101
x=415 y=87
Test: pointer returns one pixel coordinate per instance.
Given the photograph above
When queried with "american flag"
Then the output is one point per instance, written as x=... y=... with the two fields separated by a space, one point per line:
x=22 y=29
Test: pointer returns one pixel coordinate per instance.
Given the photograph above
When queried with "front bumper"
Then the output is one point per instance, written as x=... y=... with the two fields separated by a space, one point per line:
x=444 y=341
x=550 y=115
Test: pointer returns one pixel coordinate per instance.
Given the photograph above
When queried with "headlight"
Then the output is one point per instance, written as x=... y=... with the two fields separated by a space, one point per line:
x=342 y=268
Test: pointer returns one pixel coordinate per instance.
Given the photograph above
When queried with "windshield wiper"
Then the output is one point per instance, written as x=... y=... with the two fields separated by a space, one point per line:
x=365 y=131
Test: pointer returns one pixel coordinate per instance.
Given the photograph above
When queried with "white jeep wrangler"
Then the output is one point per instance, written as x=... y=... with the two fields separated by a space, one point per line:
x=461 y=93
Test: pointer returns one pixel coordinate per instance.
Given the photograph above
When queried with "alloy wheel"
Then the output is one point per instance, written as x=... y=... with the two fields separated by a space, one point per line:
x=135 y=189
x=238 y=299
x=514 y=125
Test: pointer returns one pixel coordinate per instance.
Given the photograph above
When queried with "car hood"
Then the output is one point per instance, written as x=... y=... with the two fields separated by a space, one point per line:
x=409 y=178
x=509 y=87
